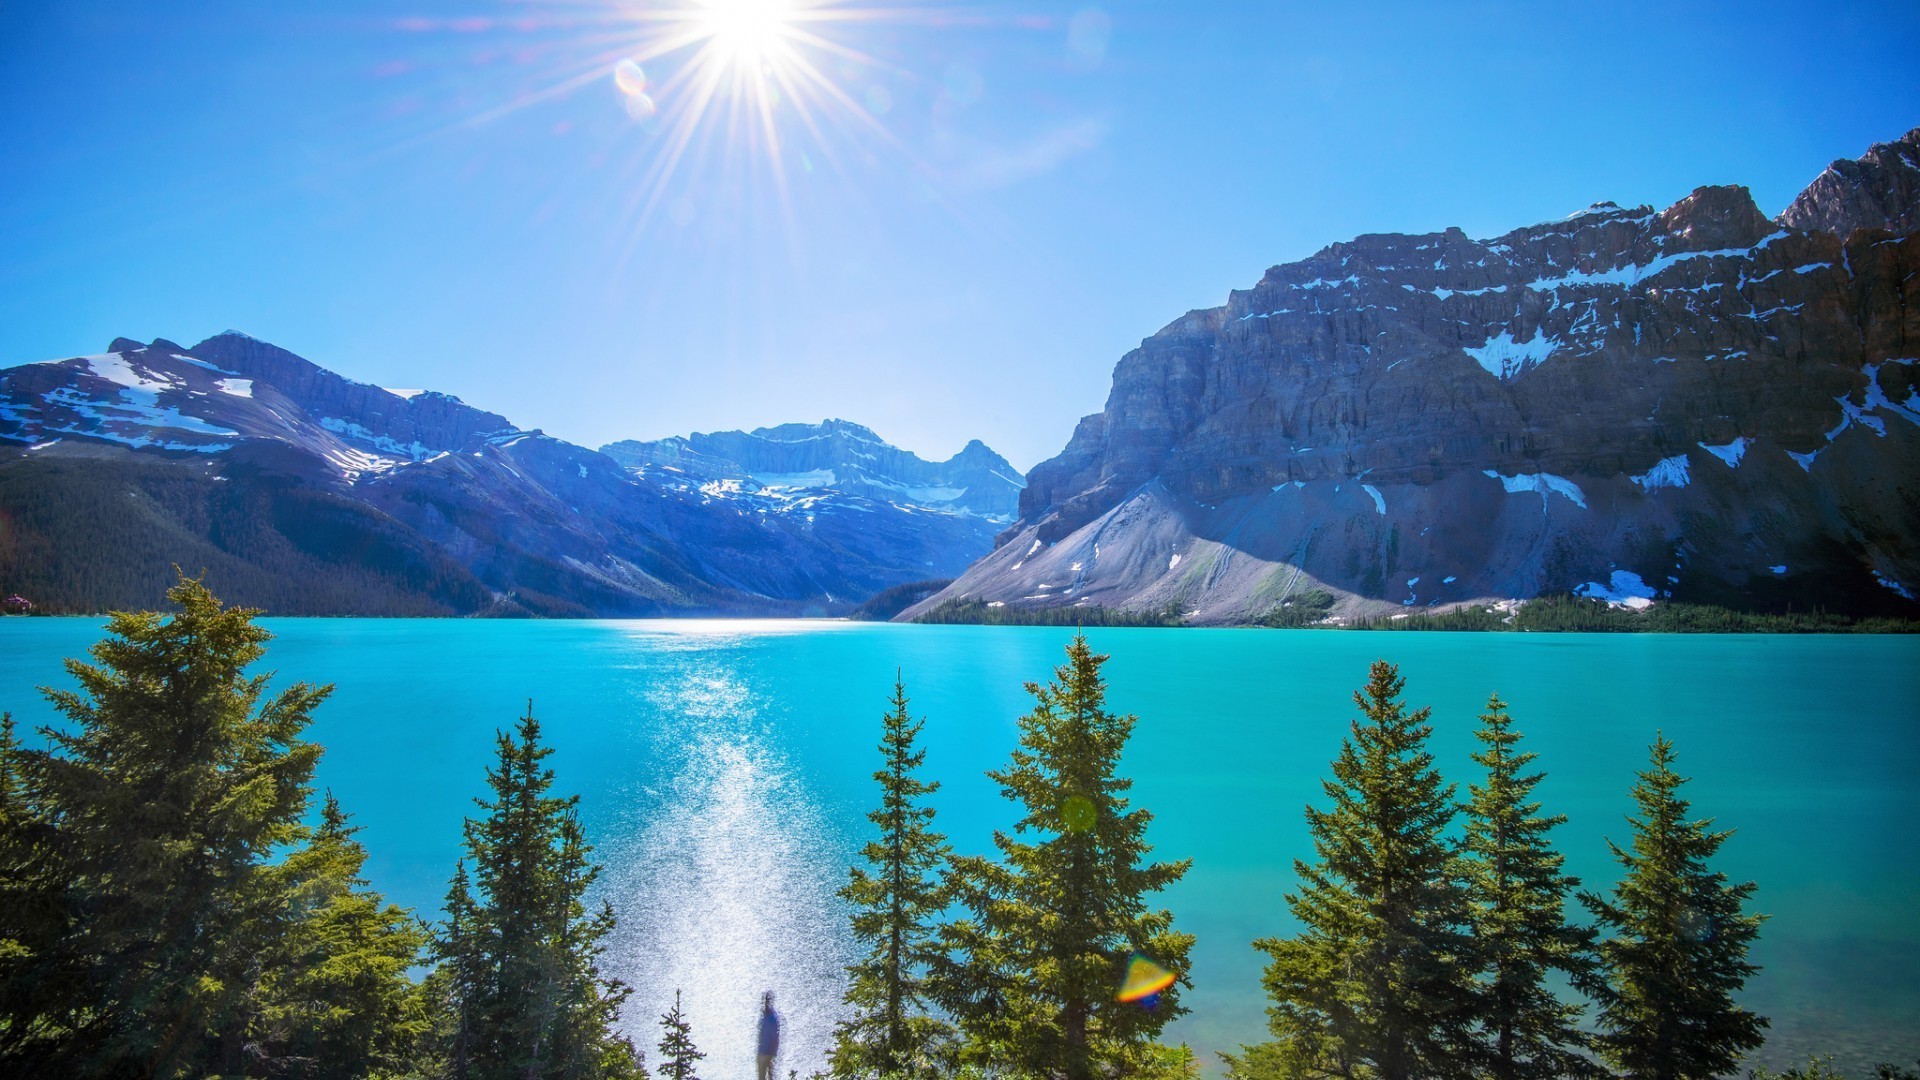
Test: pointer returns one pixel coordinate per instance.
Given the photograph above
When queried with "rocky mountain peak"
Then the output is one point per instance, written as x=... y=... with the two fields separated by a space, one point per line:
x=791 y=433
x=1697 y=402
x=836 y=455
x=1878 y=190
x=1715 y=218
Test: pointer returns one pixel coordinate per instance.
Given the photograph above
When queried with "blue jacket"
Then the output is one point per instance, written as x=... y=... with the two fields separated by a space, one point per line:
x=769 y=1032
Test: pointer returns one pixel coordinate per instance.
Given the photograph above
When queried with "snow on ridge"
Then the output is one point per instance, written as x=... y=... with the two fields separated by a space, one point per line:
x=1894 y=585
x=1667 y=472
x=1503 y=357
x=409 y=394
x=1542 y=483
x=197 y=362
x=236 y=387
x=1379 y=502
x=1731 y=453
x=144 y=413
x=1624 y=589
x=415 y=451
x=816 y=478
x=1634 y=273
x=117 y=369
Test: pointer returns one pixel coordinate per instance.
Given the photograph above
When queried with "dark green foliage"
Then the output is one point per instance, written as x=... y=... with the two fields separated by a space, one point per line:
x=1585 y=615
x=1816 y=1068
x=334 y=996
x=1678 y=950
x=90 y=535
x=1305 y=608
x=976 y=612
x=1034 y=968
x=1377 y=981
x=889 y=602
x=894 y=904
x=1821 y=1068
x=1517 y=913
x=523 y=992
x=679 y=1057
x=141 y=836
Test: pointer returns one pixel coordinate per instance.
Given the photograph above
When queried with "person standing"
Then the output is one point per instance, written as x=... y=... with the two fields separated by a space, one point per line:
x=769 y=1037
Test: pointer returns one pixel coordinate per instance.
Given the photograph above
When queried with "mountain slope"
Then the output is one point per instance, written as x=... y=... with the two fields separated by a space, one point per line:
x=1696 y=403
x=307 y=493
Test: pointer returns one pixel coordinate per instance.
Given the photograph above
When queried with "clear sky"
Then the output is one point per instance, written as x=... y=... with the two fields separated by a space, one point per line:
x=974 y=212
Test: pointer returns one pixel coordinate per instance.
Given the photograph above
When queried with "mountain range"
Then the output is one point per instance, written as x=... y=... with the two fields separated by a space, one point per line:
x=1698 y=403
x=1695 y=403
x=304 y=492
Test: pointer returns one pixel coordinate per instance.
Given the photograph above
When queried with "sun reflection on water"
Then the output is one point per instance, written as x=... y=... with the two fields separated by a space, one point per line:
x=724 y=881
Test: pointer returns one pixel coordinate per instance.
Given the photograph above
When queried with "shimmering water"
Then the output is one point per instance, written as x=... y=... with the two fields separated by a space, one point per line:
x=725 y=770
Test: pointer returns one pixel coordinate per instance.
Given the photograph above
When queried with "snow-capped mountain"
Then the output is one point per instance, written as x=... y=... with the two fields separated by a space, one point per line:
x=802 y=463
x=306 y=492
x=1697 y=403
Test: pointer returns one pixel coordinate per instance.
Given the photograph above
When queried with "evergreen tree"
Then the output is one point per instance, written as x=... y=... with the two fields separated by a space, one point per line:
x=335 y=996
x=155 y=815
x=1035 y=967
x=1517 y=909
x=890 y=1032
x=522 y=980
x=678 y=1055
x=1375 y=983
x=1678 y=950
x=32 y=909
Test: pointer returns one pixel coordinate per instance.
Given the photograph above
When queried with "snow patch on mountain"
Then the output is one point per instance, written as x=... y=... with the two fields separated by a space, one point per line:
x=1623 y=589
x=1542 y=483
x=414 y=450
x=1666 y=473
x=1731 y=453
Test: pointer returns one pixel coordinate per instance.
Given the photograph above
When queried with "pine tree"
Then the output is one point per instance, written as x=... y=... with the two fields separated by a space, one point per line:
x=891 y=1032
x=335 y=996
x=1678 y=950
x=1035 y=967
x=678 y=1055
x=1375 y=982
x=522 y=982
x=157 y=813
x=1517 y=909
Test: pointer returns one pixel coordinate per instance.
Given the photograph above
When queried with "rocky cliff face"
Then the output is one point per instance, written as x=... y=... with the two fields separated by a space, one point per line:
x=1880 y=190
x=308 y=493
x=1695 y=402
x=836 y=455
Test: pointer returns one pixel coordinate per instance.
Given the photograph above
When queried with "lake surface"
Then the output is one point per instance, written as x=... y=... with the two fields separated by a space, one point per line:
x=725 y=770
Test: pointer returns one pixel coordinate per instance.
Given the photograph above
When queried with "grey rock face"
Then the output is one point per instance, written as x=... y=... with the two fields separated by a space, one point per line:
x=1878 y=191
x=1718 y=407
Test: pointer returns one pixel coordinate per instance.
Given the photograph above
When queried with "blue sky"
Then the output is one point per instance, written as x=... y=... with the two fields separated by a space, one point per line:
x=1007 y=198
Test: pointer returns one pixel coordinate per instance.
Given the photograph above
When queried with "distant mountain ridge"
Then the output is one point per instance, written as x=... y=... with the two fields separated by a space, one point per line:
x=837 y=455
x=1695 y=403
x=305 y=492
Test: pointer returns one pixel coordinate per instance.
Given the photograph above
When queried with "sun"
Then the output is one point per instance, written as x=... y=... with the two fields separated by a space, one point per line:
x=745 y=33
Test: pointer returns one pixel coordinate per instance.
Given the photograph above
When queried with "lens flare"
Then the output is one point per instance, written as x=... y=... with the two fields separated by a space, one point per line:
x=630 y=77
x=1145 y=980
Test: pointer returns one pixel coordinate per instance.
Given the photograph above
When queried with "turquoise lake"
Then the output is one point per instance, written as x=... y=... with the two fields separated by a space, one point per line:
x=725 y=770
